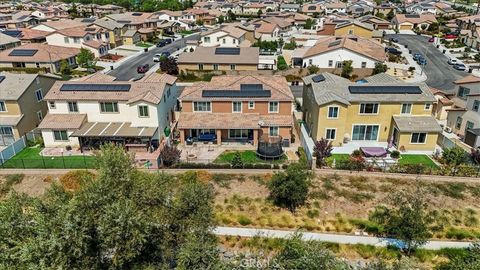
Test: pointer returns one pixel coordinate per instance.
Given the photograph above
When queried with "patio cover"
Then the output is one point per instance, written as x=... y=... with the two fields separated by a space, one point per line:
x=10 y=120
x=63 y=121
x=417 y=124
x=113 y=129
x=374 y=151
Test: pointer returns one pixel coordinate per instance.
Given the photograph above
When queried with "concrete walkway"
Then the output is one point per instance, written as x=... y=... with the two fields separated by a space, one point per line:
x=334 y=238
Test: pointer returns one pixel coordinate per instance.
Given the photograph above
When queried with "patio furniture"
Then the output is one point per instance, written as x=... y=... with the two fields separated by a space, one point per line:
x=374 y=151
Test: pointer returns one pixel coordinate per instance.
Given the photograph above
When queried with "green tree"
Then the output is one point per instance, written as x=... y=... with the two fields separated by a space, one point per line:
x=290 y=189
x=379 y=68
x=85 y=57
x=221 y=19
x=259 y=13
x=407 y=219
x=313 y=69
x=237 y=161
x=231 y=16
x=347 y=69
x=309 y=23
x=65 y=68
x=281 y=63
x=453 y=157
x=380 y=15
x=390 y=15
x=468 y=260
x=169 y=65
x=199 y=22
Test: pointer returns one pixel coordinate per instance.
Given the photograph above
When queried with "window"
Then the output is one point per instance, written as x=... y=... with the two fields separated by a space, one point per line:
x=66 y=40
x=169 y=92
x=310 y=62
x=365 y=132
x=350 y=32
x=6 y=130
x=60 y=135
x=143 y=110
x=476 y=105
x=206 y=39
x=273 y=131
x=109 y=107
x=369 y=108
x=76 y=40
x=39 y=116
x=273 y=107
x=463 y=92
x=200 y=66
x=238 y=133
x=330 y=63
x=251 y=105
x=364 y=64
x=332 y=112
x=223 y=41
x=202 y=106
x=234 y=41
x=339 y=64
x=215 y=66
x=39 y=95
x=72 y=106
x=236 y=106
x=418 y=138
x=37 y=65
x=406 y=108
x=427 y=107
x=458 y=124
x=164 y=98
x=52 y=105
x=468 y=126
x=233 y=67
x=3 y=107
x=330 y=133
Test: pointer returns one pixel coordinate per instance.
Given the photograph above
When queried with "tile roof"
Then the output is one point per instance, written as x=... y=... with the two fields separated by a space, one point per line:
x=10 y=120
x=266 y=28
x=14 y=84
x=417 y=124
x=45 y=53
x=468 y=79
x=278 y=86
x=204 y=55
x=30 y=33
x=401 y=18
x=62 y=24
x=62 y=121
x=94 y=44
x=158 y=78
x=363 y=46
x=6 y=39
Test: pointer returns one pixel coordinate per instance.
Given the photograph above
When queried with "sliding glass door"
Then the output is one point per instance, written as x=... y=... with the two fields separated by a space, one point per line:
x=365 y=132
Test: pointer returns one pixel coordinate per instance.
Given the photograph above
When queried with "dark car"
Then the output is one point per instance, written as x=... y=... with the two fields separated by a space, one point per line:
x=393 y=51
x=168 y=40
x=460 y=67
x=166 y=54
x=161 y=43
x=416 y=56
x=394 y=39
x=169 y=32
x=422 y=61
x=143 y=68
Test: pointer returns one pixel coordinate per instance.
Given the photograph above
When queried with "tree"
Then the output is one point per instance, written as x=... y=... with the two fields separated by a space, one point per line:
x=237 y=162
x=170 y=155
x=433 y=27
x=423 y=26
x=390 y=15
x=309 y=23
x=313 y=69
x=380 y=15
x=477 y=57
x=468 y=260
x=407 y=219
x=475 y=156
x=454 y=157
x=323 y=149
x=259 y=12
x=281 y=63
x=199 y=22
x=379 y=68
x=221 y=19
x=231 y=16
x=65 y=68
x=85 y=57
x=290 y=189
x=169 y=65
x=347 y=69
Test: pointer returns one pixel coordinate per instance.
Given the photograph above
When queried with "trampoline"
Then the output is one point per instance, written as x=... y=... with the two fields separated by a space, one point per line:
x=270 y=147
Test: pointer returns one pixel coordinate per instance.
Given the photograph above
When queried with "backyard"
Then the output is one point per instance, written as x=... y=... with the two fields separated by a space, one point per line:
x=248 y=157
x=30 y=158
x=404 y=159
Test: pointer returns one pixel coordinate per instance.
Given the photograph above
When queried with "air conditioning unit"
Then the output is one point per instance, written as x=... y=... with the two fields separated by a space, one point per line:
x=448 y=129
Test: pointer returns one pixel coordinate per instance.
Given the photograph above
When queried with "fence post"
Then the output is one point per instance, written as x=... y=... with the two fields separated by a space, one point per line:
x=84 y=161
x=63 y=160
x=43 y=161
x=23 y=163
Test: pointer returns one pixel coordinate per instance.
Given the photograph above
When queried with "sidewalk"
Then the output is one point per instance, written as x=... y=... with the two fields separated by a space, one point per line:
x=418 y=75
x=136 y=51
x=334 y=238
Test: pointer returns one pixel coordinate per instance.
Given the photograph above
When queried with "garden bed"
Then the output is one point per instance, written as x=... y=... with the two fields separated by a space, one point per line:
x=248 y=157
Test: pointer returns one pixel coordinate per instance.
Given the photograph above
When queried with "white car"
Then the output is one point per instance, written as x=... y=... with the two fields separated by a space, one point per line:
x=157 y=57
x=453 y=61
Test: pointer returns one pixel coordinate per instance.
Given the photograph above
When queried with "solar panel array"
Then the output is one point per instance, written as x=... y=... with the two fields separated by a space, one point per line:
x=334 y=43
x=412 y=16
x=137 y=14
x=312 y=8
x=318 y=78
x=227 y=51
x=12 y=33
x=369 y=89
x=95 y=87
x=87 y=20
x=251 y=87
x=236 y=93
x=2 y=78
x=23 y=52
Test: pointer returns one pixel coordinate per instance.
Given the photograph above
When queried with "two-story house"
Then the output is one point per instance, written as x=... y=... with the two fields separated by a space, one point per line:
x=421 y=8
x=227 y=36
x=22 y=106
x=379 y=111
x=465 y=114
x=96 y=39
x=335 y=7
x=97 y=109
x=237 y=109
x=115 y=31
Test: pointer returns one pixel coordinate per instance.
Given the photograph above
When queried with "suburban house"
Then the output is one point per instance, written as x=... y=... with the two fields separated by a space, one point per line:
x=289 y=7
x=19 y=19
x=114 y=30
x=444 y=9
x=312 y=9
x=22 y=106
x=52 y=26
x=465 y=114
x=237 y=109
x=354 y=27
x=267 y=31
x=253 y=8
x=131 y=37
x=335 y=7
x=8 y=42
x=28 y=35
x=93 y=38
x=227 y=36
x=37 y=55
x=97 y=109
x=413 y=21
x=384 y=9
x=379 y=111
x=219 y=59
x=329 y=53
x=376 y=22
x=421 y=8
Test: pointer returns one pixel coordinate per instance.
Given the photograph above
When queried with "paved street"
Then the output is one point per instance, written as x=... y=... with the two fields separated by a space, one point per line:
x=440 y=74
x=128 y=70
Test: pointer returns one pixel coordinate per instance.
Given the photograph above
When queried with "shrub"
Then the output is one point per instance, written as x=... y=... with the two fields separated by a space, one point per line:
x=395 y=154
x=368 y=226
x=356 y=153
x=408 y=168
x=323 y=149
x=281 y=63
x=351 y=164
x=170 y=155
x=467 y=170
x=313 y=69
x=244 y=220
x=13 y=179
x=459 y=234
x=72 y=180
x=237 y=160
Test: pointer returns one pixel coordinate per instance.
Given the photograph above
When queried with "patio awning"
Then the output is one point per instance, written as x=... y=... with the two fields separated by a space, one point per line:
x=374 y=151
x=63 y=121
x=7 y=120
x=113 y=129
x=417 y=124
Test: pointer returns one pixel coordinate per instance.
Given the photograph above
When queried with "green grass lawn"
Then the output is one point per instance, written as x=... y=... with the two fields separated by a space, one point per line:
x=144 y=44
x=416 y=159
x=247 y=157
x=186 y=32
x=30 y=158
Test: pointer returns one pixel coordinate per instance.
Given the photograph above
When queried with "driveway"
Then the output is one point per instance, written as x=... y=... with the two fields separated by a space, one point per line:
x=439 y=73
x=128 y=70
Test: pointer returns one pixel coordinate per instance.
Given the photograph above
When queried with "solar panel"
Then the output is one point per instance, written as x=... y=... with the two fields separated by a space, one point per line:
x=137 y=14
x=251 y=87
x=89 y=29
x=23 y=52
x=335 y=43
x=2 y=78
x=318 y=78
x=368 y=89
x=412 y=16
x=227 y=51
x=236 y=93
x=95 y=87
x=88 y=20
x=12 y=33
x=312 y=8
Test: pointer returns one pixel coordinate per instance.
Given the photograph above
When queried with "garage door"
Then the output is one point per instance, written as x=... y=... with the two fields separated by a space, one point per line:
x=405 y=27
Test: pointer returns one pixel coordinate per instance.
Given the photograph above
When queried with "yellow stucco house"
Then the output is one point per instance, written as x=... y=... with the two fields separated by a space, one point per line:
x=354 y=27
x=380 y=109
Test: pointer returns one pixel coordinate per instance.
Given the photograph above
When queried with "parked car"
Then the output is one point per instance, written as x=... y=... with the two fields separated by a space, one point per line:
x=394 y=39
x=168 y=40
x=165 y=54
x=393 y=51
x=422 y=61
x=431 y=40
x=452 y=61
x=143 y=68
x=161 y=43
x=460 y=67
x=416 y=56
x=450 y=36
x=157 y=57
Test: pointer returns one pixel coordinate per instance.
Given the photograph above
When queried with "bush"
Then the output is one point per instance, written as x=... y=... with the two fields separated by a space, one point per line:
x=281 y=63
x=237 y=162
x=170 y=155
x=467 y=170
x=243 y=220
x=395 y=154
x=72 y=180
x=356 y=153
x=368 y=226
x=459 y=234
x=351 y=164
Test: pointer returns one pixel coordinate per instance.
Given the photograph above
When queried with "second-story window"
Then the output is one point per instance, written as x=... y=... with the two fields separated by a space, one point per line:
x=406 y=108
x=109 y=107
x=476 y=105
x=66 y=40
x=202 y=106
x=76 y=40
x=237 y=106
x=72 y=106
x=332 y=112
x=3 y=107
x=369 y=108
x=52 y=105
x=39 y=95
x=206 y=39
x=463 y=92
x=143 y=110
x=427 y=107
x=273 y=107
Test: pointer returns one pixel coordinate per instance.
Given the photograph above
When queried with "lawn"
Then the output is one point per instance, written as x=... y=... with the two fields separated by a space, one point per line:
x=30 y=158
x=144 y=44
x=248 y=157
x=417 y=159
x=186 y=32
